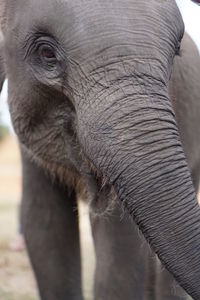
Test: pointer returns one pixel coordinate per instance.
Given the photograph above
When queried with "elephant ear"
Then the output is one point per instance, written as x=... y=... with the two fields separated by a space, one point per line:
x=3 y=22
x=2 y=66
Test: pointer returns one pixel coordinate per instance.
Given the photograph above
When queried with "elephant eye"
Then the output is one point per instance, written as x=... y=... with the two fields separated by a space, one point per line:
x=44 y=53
x=47 y=54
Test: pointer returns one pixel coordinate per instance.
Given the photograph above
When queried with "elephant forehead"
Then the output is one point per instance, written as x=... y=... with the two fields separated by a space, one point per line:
x=76 y=13
x=87 y=27
x=96 y=14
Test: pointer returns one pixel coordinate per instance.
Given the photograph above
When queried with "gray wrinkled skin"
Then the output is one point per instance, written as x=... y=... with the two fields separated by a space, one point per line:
x=96 y=114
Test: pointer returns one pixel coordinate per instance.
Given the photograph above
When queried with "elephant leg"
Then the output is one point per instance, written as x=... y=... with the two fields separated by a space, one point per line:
x=50 y=226
x=151 y=282
x=166 y=286
x=121 y=258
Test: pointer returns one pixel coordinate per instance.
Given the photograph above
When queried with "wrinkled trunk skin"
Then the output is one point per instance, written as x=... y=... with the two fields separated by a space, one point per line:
x=132 y=140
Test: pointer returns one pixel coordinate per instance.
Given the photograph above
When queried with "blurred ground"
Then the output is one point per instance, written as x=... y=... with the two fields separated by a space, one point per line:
x=16 y=279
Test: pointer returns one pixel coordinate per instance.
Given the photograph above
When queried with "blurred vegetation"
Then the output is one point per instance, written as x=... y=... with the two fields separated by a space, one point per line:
x=3 y=130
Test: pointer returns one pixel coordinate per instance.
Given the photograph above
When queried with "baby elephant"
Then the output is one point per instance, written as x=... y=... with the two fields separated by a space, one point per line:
x=97 y=115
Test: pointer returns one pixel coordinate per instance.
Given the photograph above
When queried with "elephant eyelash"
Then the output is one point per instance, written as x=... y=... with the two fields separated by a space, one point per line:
x=35 y=40
x=28 y=47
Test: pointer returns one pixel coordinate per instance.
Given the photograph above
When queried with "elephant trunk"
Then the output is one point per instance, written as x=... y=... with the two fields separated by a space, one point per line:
x=129 y=134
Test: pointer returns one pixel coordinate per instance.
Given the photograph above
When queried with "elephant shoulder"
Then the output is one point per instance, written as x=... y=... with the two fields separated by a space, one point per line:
x=184 y=90
x=186 y=72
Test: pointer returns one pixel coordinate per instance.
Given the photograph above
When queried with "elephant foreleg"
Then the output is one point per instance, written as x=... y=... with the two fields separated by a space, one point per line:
x=50 y=226
x=121 y=258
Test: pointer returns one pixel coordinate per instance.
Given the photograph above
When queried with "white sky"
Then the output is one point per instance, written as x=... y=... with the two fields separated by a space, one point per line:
x=191 y=16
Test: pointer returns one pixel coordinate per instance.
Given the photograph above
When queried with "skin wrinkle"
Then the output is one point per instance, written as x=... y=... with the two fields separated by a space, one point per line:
x=142 y=190
x=175 y=217
x=50 y=139
x=170 y=181
x=190 y=222
x=144 y=133
x=159 y=169
x=139 y=187
x=171 y=206
x=172 y=235
x=129 y=115
x=135 y=123
x=144 y=128
x=88 y=96
x=147 y=174
x=108 y=95
x=141 y=173
x=125 y=59
x=192 y=236
x=175 y=185
x=159 y=221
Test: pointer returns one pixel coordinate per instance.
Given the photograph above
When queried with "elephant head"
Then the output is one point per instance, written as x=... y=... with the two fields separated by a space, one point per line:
x=88 y=82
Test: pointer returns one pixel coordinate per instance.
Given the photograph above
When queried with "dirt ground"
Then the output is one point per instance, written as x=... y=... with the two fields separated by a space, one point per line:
x=16 y=278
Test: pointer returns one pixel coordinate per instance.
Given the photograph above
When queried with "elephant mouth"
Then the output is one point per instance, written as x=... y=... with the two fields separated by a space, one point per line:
x=102 y=198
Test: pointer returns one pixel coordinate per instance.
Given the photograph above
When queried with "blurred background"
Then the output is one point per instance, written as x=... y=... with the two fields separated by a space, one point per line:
x=16 y=279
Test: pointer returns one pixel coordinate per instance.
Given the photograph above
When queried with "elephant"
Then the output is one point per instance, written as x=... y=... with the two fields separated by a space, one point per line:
x=103 y=101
